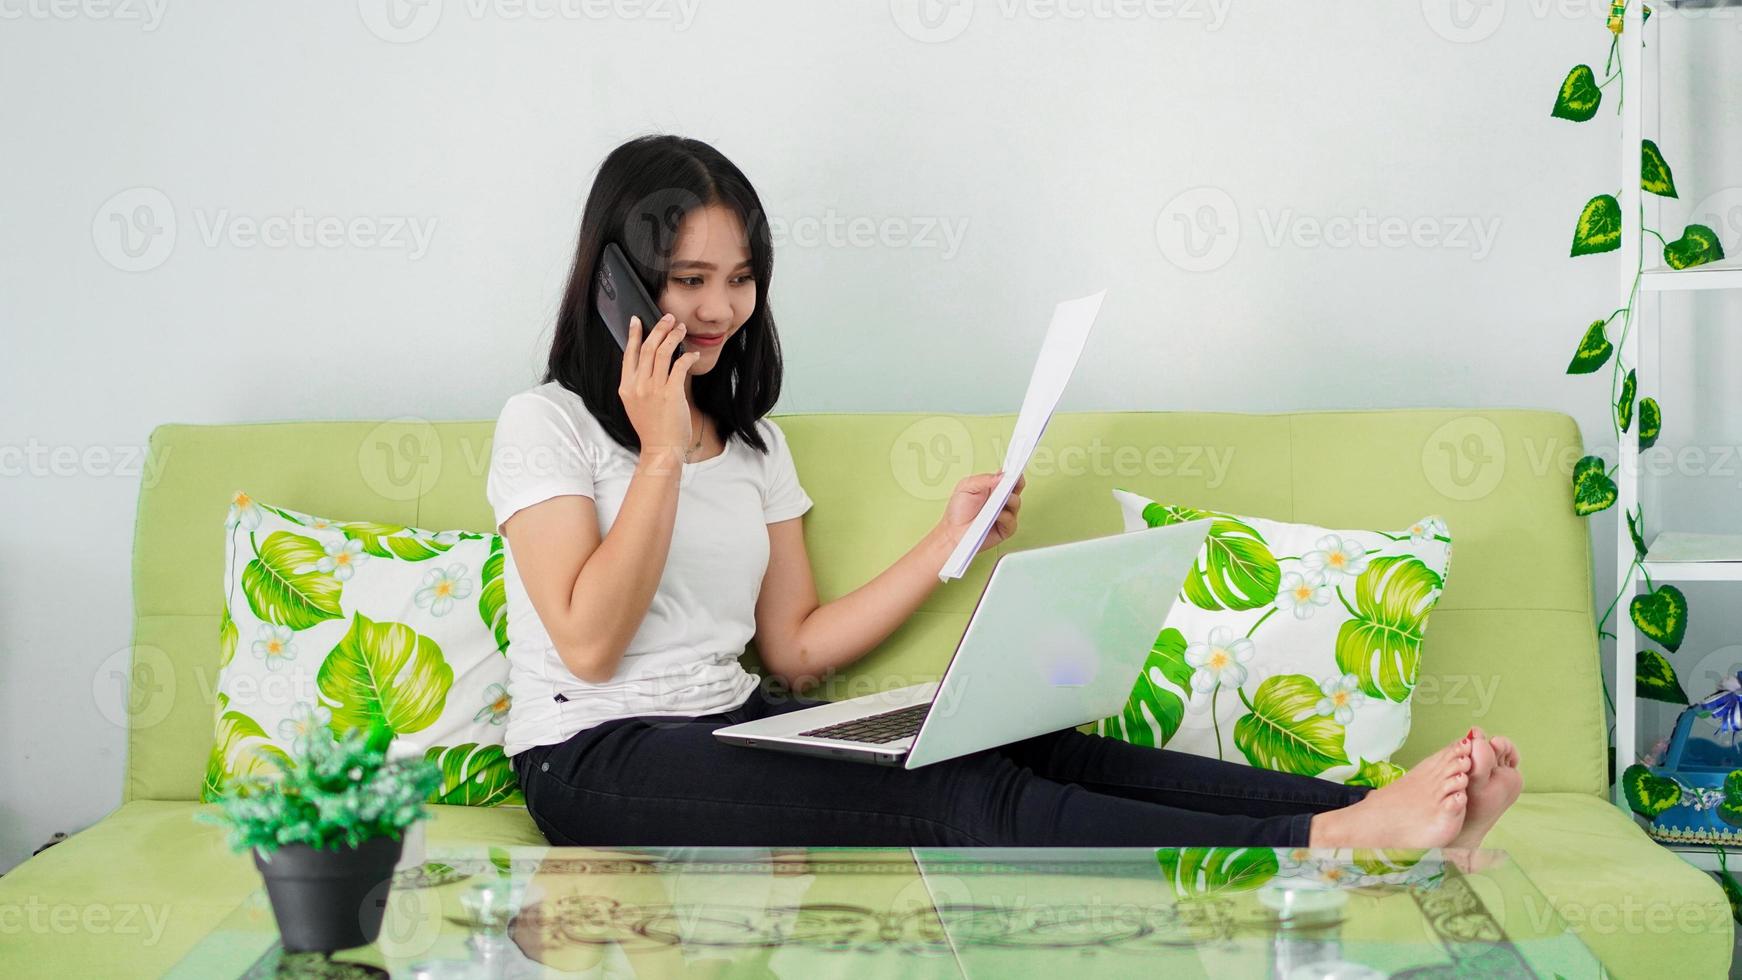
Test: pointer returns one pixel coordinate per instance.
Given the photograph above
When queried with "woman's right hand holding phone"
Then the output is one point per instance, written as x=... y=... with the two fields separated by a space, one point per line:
x=652 y=386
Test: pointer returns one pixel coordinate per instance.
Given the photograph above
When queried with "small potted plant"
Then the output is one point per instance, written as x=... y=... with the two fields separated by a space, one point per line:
x=326 y=832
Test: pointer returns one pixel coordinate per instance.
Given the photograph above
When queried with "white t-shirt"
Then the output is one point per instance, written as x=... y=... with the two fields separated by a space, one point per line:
x=683 y=660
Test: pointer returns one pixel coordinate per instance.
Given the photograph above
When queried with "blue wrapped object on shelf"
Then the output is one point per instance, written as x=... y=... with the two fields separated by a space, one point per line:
x=1699 y=762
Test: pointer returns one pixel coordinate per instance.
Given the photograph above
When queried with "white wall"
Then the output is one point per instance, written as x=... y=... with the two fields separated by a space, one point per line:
x=1055 y=146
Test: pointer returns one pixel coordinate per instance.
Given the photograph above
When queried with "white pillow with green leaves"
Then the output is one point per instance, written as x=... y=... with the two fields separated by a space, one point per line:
x=340 y=624
x=1291 y=647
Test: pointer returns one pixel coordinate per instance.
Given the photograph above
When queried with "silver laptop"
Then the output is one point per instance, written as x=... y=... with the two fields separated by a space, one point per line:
x=1057 y=640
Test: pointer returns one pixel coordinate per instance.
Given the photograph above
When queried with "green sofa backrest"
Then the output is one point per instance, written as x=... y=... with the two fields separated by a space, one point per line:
x=1510 y=647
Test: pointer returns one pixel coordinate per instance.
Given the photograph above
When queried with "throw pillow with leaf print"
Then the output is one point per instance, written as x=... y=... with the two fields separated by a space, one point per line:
x=340 y=624
x=1291 y=647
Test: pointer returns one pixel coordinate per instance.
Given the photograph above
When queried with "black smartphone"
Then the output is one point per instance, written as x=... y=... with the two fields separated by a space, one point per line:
x=618 y=295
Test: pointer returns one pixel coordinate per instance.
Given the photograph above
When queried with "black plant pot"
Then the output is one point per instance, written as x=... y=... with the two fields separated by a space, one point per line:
x=329 y=900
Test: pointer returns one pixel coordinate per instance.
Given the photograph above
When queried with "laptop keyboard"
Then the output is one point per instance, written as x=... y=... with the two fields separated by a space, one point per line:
x=885 y=727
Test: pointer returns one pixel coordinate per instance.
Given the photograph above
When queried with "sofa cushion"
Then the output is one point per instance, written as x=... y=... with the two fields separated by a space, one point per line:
x=347 y=624
x=1643 y=910
x=1291 y=646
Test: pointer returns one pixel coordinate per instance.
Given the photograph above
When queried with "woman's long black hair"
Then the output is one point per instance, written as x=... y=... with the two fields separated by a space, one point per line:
x=639 y=198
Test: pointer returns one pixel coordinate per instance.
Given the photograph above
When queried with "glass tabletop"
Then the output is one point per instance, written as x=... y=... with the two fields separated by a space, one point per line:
x=477 y=911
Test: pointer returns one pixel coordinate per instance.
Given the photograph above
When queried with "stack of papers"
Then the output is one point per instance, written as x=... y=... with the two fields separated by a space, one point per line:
x=1059 y=353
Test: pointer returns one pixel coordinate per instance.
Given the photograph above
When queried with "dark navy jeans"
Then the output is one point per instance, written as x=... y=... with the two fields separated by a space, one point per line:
x=666 y=781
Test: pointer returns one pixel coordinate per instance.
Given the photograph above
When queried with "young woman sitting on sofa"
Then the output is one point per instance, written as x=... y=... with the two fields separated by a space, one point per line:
x=652 y=517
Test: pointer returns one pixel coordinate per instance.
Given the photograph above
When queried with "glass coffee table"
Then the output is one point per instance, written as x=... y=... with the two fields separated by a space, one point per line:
x=1058 y=913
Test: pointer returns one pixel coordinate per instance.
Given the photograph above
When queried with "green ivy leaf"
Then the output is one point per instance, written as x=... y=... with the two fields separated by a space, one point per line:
x=1235 y=570
x=1382 y=644
x=1697 y=246
x=1662 y=615
x=1285 y=732
x=1153 y=712
x=493 y=597
x=1599 y=227
x=1374 y=774
x=1579 y=95
x=1624 y=406
x=384 y=673
x=1636 y=531
x=1594 y=350
x=1655 y=678
x=1593 y=490
x=283 y=585
x=1730 y=811
x=1648 y=794
x=1654 y=175
x=1195 y=871
x=1650 y=423
x=1732 y=891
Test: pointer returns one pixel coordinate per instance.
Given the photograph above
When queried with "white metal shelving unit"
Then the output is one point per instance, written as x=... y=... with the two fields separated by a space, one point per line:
x=1674 y=555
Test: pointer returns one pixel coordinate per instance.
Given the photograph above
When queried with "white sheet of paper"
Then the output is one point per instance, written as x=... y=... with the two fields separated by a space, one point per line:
x=1059 y=353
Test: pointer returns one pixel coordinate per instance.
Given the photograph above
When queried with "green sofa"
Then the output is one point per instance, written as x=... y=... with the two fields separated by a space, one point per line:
x=1511 y=646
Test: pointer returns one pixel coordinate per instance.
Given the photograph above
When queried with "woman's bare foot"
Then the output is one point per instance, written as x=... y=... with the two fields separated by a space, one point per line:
x=1495 y=782
x=1424 y=808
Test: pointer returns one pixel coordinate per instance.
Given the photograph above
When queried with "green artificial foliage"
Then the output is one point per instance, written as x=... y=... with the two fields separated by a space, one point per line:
x=331 y=792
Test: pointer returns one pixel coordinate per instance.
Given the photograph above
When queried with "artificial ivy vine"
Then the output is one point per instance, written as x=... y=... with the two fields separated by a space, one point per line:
x=1661 y=612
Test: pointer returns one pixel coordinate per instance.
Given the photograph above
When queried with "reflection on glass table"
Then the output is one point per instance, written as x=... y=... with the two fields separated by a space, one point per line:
x=927 y=912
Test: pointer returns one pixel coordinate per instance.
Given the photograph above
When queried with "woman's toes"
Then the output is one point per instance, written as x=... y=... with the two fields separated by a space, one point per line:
x=1505 y=752
x=1454 y=783
x=1455 y=802
x=1482 y=757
